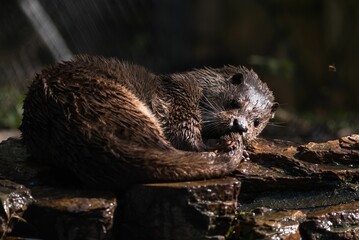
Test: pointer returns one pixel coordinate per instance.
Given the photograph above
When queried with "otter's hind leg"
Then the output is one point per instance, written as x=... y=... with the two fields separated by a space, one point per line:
x=116 y=112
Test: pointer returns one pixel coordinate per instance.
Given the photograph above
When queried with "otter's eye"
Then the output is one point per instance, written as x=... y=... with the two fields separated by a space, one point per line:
x=234 y=104
x=256 y=122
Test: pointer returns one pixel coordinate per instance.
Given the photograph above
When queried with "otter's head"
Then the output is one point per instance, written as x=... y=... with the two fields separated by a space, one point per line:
x=235 y=100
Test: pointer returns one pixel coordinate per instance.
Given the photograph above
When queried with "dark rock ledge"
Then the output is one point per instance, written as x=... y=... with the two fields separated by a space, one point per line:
x=284 y=192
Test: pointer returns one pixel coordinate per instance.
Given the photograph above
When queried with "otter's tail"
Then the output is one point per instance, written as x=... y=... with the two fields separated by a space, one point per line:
x=123 y=167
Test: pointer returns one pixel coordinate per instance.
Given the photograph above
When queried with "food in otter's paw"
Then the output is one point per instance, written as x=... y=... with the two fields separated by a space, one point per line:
x=115 y=124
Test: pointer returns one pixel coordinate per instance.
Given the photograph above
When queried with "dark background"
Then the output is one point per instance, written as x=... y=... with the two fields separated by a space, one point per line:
x=307 y=51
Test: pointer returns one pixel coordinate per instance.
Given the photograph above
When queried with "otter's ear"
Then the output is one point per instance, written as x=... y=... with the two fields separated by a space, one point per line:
x=274 y=108
x=236 y=79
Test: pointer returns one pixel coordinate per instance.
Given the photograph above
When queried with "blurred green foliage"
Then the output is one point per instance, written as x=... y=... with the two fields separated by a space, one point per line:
x=11 y=100
x=283 y=67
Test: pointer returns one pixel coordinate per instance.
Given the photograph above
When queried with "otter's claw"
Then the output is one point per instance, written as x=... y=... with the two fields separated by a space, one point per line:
x=245 y=155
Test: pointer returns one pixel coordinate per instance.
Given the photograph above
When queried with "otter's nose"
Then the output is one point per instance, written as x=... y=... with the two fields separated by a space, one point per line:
x=239 y=127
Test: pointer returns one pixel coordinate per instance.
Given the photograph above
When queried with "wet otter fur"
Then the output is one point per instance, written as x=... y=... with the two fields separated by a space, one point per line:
x=115 y=124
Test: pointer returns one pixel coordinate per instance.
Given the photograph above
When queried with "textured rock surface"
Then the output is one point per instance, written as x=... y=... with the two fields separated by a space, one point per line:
x=284 y=192
x=15 y=199
x=68 y=214
x=332 y=222
x=299 y=192
x=186 y=210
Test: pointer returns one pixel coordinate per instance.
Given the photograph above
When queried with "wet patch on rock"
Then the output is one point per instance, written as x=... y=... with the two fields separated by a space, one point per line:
x=334 y=222
x=14 y=201
x=264 y=223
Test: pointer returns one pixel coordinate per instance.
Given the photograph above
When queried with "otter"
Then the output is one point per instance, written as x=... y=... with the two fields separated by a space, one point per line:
x=115 y=124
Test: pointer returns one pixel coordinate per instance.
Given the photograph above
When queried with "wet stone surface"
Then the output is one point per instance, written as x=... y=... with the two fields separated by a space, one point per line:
x=15 y=199
x=333 y=222
x=68 y=214
x=284 y=191
x=185 y=210
x=264 y=223
x=310 y=191
x=344 y=151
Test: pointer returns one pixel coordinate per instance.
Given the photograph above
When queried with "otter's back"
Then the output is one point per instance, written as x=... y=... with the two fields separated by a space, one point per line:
x=79 y=109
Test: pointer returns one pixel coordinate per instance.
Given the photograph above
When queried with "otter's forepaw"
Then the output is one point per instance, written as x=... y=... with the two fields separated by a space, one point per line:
x=229 y=143
x=226 y=146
